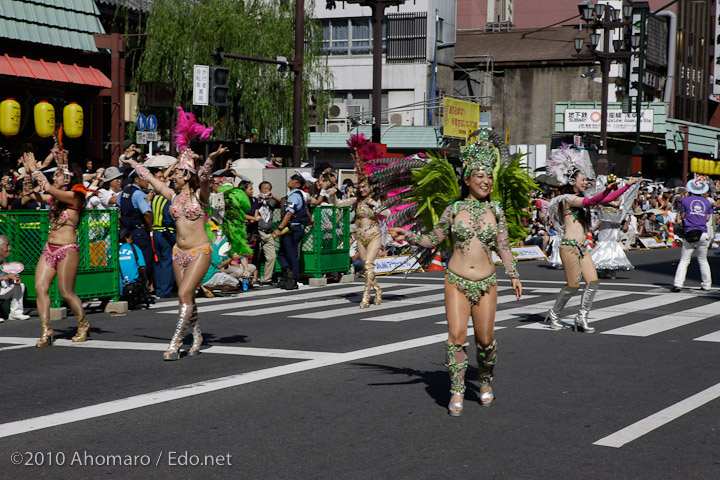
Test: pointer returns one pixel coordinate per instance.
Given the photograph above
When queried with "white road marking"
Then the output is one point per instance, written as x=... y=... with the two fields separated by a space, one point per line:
x=710 y=337
x=429 y=312
x=161 y=347
x=574 y=301
x=251 y=299
x=353 y=309
x=657 y=420
x=205 y=386
x=666 y=322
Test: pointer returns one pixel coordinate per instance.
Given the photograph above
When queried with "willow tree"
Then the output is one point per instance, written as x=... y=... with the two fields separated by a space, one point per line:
x=184 y=33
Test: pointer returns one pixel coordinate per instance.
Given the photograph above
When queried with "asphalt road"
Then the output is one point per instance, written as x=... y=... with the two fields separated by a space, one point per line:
x=307 y=385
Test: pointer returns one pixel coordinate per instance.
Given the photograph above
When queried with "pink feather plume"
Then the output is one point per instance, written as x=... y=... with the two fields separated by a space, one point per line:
x=187 y=129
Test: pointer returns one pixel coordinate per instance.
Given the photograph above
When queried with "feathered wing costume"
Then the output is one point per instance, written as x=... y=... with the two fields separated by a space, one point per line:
x=608 y=253
x=237 y=205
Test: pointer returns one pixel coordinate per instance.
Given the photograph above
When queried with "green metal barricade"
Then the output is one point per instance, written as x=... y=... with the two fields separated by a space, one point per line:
x=325 y=246
x=97 y=276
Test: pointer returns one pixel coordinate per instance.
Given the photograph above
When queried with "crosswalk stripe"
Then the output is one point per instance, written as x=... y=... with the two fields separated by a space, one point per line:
x=710 y=337
x=280 y=297
x=354 y=310
x=430 y=312
x=666 y=322
x=21 y=342
x=274 y=292
x=321 y=302
x=542 y=308
x=618 y=310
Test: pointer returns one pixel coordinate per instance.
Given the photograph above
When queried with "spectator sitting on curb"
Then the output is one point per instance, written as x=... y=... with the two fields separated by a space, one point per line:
x=10 y=285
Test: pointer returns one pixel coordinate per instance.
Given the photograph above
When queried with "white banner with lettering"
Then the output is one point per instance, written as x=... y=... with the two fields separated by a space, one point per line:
x=396 y=264
x=526 y=252
x=588 y=120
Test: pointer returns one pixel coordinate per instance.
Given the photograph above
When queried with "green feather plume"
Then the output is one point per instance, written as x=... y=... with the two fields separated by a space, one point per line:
x=237 y=204
x=512 y=187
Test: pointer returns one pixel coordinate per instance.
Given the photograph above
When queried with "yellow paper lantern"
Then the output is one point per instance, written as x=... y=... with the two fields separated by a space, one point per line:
x=72 y=120
x=694 y=164
x=9 y=117
x=716 y=167
x=44 y=119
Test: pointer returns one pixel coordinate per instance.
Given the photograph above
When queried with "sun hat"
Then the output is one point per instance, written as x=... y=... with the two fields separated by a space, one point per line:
x=111 y=173
x=698 y=185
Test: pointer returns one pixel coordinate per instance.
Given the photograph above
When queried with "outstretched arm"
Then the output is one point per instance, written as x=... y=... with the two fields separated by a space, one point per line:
x=205 y=173
x=431 y=240
x=145 y=174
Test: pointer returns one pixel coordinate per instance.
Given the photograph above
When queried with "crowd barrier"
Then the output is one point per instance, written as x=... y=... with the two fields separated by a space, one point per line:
x=325 y=246
x=97 y=276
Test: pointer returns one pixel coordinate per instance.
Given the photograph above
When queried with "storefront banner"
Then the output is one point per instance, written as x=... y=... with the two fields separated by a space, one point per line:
x=461 y=117
x=588 y=120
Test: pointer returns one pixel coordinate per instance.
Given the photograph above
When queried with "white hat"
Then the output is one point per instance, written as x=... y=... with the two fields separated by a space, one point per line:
x=698 y=185
x=308 y=178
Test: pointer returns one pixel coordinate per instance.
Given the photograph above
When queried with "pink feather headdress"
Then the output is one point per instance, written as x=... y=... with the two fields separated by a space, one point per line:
x=187 y=129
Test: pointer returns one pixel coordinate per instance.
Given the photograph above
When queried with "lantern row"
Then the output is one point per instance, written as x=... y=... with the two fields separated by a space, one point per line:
x=44 y=114
x=704 y=166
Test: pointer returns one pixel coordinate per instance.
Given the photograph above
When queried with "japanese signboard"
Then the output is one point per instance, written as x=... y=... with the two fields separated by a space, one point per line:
x=461 y=117
x=588 y=120
x=201 y=85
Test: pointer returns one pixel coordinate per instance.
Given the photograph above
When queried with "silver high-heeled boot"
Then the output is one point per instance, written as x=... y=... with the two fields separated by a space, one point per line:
x=486 y=358
x=457 y=362
x=184 y=315
x=581 y=320
x=553 y=316
x=197 y=335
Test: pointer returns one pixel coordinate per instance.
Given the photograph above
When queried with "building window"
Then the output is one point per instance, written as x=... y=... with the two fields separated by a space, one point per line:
x=350 y=36
x=407 y=37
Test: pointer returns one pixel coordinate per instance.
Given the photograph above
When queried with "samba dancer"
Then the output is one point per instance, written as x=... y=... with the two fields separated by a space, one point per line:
x=477 y=227
x=61 y=255
x=570 y=216
x=192 y=252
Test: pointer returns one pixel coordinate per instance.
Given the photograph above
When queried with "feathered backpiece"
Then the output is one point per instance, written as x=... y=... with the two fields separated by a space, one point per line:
x=187 y=129
x=627 y=198
x=564 y=164
x=237 y=204
x=512 y=185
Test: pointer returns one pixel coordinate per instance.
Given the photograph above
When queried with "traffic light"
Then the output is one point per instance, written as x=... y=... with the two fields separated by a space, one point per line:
x=219 y=79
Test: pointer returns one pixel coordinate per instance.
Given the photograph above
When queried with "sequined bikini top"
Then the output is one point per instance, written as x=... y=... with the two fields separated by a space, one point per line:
x=464 y=233
x=62 y=219
x=363 y=210
x=192 y=210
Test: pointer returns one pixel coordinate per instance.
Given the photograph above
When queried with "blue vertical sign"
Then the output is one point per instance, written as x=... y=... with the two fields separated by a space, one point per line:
x=151 y=123
x=142 y=122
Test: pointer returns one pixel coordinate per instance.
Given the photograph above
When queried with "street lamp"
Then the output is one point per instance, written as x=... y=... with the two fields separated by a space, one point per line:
x=605 y=18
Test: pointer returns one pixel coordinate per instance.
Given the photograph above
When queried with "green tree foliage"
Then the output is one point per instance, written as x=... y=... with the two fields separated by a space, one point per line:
x=184 y=33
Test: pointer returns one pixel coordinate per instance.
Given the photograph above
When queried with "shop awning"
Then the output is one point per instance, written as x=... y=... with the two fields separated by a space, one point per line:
x=702 y=139
x=52 y=71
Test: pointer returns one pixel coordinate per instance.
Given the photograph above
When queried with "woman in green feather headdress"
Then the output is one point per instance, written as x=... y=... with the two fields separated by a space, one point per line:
x=476 y=225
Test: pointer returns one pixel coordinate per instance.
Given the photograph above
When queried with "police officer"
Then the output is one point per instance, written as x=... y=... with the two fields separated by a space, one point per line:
x=136 y=216
x=295 y=218
x=163 y=240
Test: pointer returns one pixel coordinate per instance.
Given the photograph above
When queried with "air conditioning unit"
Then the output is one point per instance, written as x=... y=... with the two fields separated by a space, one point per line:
x=338 y=111
x=401 y=118
x=336 y=127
